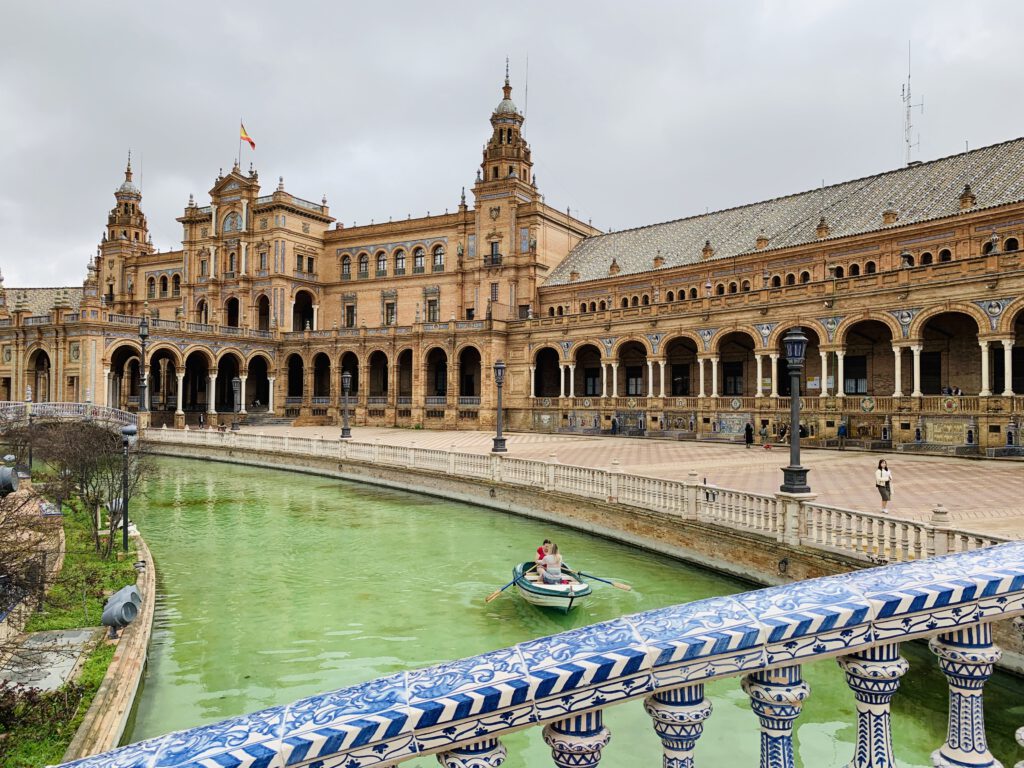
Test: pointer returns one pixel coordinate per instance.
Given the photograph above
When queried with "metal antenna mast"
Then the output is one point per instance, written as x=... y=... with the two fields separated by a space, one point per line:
x=909 y=106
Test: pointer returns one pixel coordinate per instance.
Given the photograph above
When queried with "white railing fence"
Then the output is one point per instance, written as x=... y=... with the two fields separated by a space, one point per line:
x=17 y=411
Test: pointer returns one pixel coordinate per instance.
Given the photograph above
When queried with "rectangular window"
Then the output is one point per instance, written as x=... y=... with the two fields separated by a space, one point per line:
x=298 y=262
x=680 y=379
x=309 y=265
x=263 y=260
x=417 y=260
x=350 y=315
x=433 y=311
x=204 y=267
x=732 y=378
x=635 y=380
x=592 y=382
x=390 y=313
x=400 y=263
x=494 y=291
x=855 y=375
x=470 y=313
x=494 y=247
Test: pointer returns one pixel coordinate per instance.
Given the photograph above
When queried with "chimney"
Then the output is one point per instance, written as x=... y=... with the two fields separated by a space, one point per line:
x=614 y=268
x=574 y=276
x=762 y=241
x=890 y=215
x=822 y=230
x=659 y=261
x=967 y=198
x=707 y=251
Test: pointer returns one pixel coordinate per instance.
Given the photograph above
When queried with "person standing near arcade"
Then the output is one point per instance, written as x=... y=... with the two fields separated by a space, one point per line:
x=883 y=482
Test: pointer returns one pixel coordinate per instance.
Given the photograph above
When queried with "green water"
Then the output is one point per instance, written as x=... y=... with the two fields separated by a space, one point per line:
x=275 y=585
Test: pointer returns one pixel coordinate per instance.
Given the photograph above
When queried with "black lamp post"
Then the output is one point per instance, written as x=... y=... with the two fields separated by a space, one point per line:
x=499 y=379
x=143 y=368
x=346 y=384
x=236 y=393
x=794 y=477
x=128 y=433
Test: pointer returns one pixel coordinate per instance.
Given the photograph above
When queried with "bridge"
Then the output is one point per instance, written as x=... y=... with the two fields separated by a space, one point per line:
x=16 y=411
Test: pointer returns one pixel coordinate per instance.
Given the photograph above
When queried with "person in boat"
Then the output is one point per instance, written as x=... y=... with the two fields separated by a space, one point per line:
x=550 y=566
x=543 y=550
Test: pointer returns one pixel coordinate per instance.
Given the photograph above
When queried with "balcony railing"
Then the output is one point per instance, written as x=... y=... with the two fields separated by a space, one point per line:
x=492 y=259
x=469 y=400
x=404 y=400
x=377 y=400
x=436 y=400
x=320 y=400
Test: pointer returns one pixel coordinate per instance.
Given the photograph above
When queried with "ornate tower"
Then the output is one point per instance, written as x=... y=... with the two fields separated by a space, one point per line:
x=506 y=155
x=125 y=239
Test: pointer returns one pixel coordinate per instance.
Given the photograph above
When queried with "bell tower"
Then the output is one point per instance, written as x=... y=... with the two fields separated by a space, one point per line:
x=124 y=240
x=126 y=220
x=506 y=155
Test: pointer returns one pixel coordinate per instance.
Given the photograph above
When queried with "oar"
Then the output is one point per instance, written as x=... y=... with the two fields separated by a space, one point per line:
x=615 y=584
x=494 y=595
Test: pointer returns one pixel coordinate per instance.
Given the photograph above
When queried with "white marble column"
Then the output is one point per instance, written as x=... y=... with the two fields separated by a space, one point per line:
x=897 y=353
x=758 y=361
x=824 y=373
x=572 y=380
x=916 y=349
x=840 y=373
x=533 y=381
x=661 y=364
x=179 y=404
x=700 y=375
x=270 y=394
x=241 y=395
x=714 y=376
x=316 y=317
x=561 y=380
x=1007 y=367
x=106 y=388
x=211 y=393
x=615 y=379
x=775 y=373
x=604 y=379
x=650 y=378
x=985 y=377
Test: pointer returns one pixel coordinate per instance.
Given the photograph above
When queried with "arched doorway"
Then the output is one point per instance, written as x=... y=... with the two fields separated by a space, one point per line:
x=231 y=312
x=469 y=376
x=322 y=376
x=378 y=378
x=229 y=366
x=436 y=383
x=263 y=313
x=587 y=375
x=546 y=373
x=869 y=365
x=162 y=389
x=1017 y=356
x=736 y=370
x=123 y=380
x=257 y=384
x=39 y=376
x=202 y=311
x=295 y=377
x=951 y=356
x=811 y=373
x=350 y=363
x=681 y=360
x=633 y=374
x=196 y=396
x=405 y=377
x=303 y=316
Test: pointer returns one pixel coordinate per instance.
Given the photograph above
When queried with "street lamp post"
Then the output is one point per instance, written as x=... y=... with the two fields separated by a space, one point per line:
x=499 y=379
x=143 y=368
x=128 y=433
x=794 y=477
x=346 y=384
x=236 y=393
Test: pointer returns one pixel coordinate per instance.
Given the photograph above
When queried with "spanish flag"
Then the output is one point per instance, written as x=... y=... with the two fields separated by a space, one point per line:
x=246 y=137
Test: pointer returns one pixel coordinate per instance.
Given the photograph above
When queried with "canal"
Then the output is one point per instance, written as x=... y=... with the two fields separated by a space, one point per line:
x=275 y=585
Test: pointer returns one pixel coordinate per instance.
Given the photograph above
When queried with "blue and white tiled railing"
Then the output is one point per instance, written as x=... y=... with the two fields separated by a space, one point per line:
x=460 y=710
x=16 y=410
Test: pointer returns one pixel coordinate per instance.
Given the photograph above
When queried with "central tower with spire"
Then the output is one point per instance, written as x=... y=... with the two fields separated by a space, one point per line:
x=506 y=154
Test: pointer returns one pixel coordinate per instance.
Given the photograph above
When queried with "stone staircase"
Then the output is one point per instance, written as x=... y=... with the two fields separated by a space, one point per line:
x=265 y=419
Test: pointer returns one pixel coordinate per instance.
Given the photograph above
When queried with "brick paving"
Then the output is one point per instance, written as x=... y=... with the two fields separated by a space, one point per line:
x=983 y=495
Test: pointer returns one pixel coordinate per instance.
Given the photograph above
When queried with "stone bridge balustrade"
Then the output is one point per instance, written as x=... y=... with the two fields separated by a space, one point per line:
x=459 y=710
x=16 y=411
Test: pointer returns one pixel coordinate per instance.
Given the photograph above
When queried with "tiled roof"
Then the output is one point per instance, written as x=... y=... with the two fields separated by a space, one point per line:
x=39 y=301
x=917 y=193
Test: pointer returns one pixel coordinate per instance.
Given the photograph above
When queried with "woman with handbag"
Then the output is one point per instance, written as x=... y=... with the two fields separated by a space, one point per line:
x=883 y=482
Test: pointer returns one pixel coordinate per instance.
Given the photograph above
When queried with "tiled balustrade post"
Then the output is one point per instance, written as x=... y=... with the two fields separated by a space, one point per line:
x=343 y=448
x=679 y=717
x=874 y=675
x=576 y=742
x=690 y=495
x=549 y=473
x=613 y=482
x=966 y=658
x=776 y=696
x=938 y=536
x=791 y=507
x=496 y=467
x=489 y=753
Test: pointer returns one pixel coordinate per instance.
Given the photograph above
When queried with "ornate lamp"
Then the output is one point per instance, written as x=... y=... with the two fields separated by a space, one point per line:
x=794 y=476
x=499 y=380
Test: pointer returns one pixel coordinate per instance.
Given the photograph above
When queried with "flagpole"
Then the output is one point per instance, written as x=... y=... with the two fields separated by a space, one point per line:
x=240 y=124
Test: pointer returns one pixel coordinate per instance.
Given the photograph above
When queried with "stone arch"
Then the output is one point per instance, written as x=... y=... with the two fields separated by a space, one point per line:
x=321 y=370
x=435 y=369
x=775 y=338
x=231 y=351
x=165 y=346
x=378 y=369
x=108 y=356
x=716 y=341
x=39 y=373
x=586 y=357
x=295 y=373
x=229 y=365
x=470 y=362
x=839 y=337
x=619 y=343
x=1008 y=320
x=260 y=353
x=553 y=347
x=974 y=312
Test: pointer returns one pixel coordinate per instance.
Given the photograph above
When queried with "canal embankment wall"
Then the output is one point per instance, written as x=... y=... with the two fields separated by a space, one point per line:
x=758 y=556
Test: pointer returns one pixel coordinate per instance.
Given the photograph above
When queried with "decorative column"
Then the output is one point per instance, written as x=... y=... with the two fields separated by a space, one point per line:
x=604 y=380
x=489 y=753
x=211 y=393
x=661 y=364
x=775 y=373
x=824 y=372
x=776 y=696
x=758 y=360
x=316 y=317
x=840 y=373
x=243 y=377
x=572 y=379
x=106 y=387
x=650 y=378
x=874 y=675
x=700 y=375
x=1007 y=367
x=533 y=381
x=270 y=394
x=615 y=379
x=678 y=717
x=179 y=407
x=561 y=380
x=916 y=350
x=576 y=742
x=714 y=375
x=985 y=391
x=966 y=658
x=897 y=353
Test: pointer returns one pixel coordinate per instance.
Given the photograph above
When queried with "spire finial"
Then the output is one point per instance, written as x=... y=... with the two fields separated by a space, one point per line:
x=508 y=87
x=128 y=168
x=506 y=70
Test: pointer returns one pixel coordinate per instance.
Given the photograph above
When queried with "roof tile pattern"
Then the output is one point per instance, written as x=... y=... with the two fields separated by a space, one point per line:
x=917 y=193
x=40 y=301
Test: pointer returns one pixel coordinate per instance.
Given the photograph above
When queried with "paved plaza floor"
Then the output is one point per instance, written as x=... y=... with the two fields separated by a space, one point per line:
x=46 y=660
x=983 y=495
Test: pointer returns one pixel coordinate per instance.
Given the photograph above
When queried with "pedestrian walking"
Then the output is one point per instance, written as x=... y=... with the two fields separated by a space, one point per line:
x=748 y=434
x=883 y=482
x=764 y=437
x=842 y=435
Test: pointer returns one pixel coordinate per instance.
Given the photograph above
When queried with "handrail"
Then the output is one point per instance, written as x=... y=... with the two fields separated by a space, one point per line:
x=17 y=411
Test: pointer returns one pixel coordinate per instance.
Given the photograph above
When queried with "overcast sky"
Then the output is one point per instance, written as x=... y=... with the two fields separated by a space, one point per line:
x=638 y=112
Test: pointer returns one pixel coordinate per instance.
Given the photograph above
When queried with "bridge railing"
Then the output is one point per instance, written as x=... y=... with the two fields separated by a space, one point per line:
x=460 y=710
x=17 y=411
x=866 y=536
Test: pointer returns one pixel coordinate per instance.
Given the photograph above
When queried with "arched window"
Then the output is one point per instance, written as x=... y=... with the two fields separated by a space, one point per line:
x=635 y=301
x=151 y=288
x=602 y=306
x=176 y=285
x=163 y=285
x=670 y=296
x=693 y=293
x=746 y=286
x=364 y=265
x=926 y=258
x=840 y=272
x=945 y=255
x=987 y=247
x=583 y=308
x=558 y=311
x=645 y=300
x=418 y=260
x=438 y=258
x=399 y=262
x=346 y=267
x=382 y=263
x=790 y=279
x=805 y=277
x=855 y=270
x=231 y=262
x=551 y=311
x=593 y=307
x=232 y=223
x=776 y=281
x=869 y=268
x=1011 y=244
x=720 y=289
x=733 y=288
x=625 y=302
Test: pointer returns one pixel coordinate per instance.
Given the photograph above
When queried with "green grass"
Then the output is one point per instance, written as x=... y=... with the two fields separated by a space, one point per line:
x=85 y=574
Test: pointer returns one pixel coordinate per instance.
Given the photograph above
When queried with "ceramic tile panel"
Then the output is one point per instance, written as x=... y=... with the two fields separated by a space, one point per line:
x=249 y=740
x=139 y=755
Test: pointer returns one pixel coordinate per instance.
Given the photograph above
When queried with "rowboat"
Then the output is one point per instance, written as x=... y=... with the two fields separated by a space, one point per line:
x=533 y=590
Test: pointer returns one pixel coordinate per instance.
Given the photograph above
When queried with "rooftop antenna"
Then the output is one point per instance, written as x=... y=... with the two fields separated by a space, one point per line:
x=909 y=106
